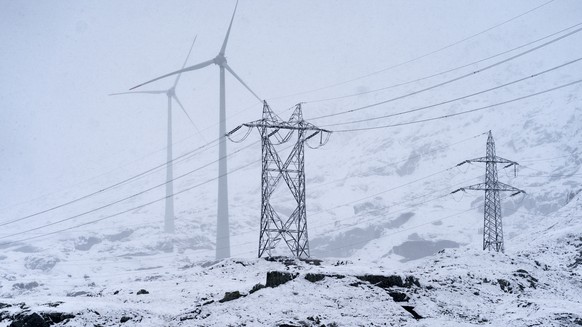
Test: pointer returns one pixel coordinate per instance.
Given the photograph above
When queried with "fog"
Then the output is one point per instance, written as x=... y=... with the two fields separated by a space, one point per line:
x=60 y=60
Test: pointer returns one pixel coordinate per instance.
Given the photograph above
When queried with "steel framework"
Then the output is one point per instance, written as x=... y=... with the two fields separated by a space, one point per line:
x=274 y=226
x=492 y=226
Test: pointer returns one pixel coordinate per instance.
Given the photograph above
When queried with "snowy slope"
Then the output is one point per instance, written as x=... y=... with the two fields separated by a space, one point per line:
x=537 y=285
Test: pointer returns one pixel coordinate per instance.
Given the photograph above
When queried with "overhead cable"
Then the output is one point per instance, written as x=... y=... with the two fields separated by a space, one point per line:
x=453 y=79
x=462 y=112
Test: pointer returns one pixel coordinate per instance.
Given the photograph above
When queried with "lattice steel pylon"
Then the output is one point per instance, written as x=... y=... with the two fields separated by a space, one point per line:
x=492 y=225
x=274 y=227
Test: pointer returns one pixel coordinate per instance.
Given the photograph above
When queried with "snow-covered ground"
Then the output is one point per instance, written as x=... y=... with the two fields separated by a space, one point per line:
x=537 y=283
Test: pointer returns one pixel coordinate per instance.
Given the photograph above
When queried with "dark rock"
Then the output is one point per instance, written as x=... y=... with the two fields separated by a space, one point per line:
x=505 y=285
x=412 y=312
x=317 y=277
x=256 y=288
x=191 y=315
x=79 y=293
x=411 y=281
x=124 y=319
x=54 y=304
x=529 y=278
x=390 y=281
x=313 y=262
x=31 y=320
x=116 y=292
x=5 y=305
x=398 y=296
x=314 y=277
x=276 y=278
x=229 y=296
x=56 y=317
x=142 y=291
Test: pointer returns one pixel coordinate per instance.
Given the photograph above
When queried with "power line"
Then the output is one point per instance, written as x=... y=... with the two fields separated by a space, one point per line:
x=463 y=112
x=135 y=208
x=453 y=79
x=442 y=72
x=152 y=202
x=120 y=200
x=134 y=177
x=421 y=56
x=396 y=204
x=462 y=97
x=472 y=137
x=113 y=215
x=409 y=158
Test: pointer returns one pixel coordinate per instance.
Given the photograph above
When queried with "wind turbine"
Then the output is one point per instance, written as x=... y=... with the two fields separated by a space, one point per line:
x=171 y=94
x=222 y=228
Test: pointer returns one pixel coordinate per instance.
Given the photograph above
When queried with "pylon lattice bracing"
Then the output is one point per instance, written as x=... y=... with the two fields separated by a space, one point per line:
x=492 y=224
x=275 y=227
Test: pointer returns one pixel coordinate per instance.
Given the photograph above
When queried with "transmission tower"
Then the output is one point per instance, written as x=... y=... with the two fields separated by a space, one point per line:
x=274 y=131
x=492 y=227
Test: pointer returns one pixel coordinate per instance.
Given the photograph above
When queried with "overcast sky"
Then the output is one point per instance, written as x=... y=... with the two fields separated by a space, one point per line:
x=59 y=60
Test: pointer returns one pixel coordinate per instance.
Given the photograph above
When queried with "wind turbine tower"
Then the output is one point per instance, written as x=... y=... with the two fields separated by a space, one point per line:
x=222 y=224
x=171 y=94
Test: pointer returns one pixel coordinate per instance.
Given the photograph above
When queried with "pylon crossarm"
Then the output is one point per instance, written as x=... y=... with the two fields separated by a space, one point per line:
x=234 y=130
x=475 y=187
x=312 y=135
x=505 y=161
x=495 y=159
x=284 y=125
x=462 y=163
x=508 y=188
x=511 y=164
x=484 y=187
x=242 y=139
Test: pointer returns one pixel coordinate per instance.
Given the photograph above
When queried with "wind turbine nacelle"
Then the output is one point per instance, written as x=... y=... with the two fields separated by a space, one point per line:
x=219 y=60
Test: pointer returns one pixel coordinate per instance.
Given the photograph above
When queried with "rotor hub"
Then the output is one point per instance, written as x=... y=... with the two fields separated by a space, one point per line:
x=220 y=60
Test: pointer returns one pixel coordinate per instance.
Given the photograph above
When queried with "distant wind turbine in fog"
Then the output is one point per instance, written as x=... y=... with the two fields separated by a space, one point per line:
x=222 y=228
x=171 y=94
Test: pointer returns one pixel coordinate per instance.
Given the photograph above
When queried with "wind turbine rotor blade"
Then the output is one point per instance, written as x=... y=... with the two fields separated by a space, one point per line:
x=185 y=61
x=187 y=115
x=223 y=49
x=140 y=92
x=187 y=69
x=241 y=81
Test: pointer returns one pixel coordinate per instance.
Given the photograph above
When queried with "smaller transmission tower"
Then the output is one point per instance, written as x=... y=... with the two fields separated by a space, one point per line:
x=274 y=131
x=492 y=228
